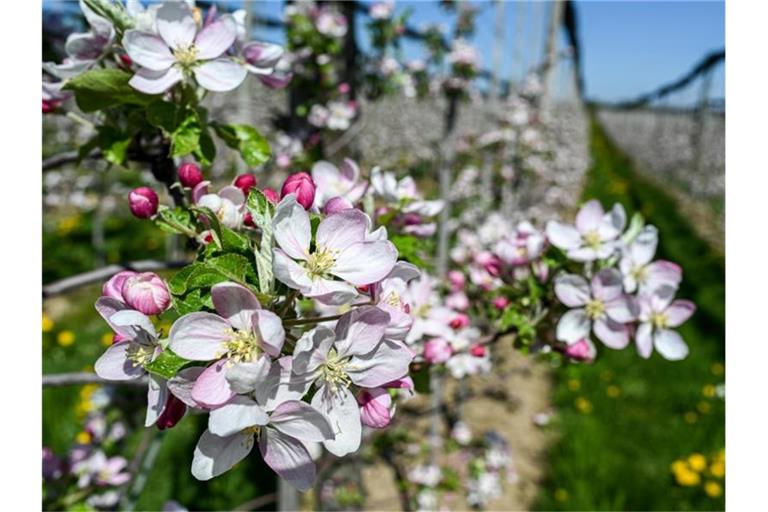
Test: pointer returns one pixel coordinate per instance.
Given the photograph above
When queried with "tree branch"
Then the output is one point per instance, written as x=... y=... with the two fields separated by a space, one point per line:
x=66 y=157
x=101 y=274
x=80 y=378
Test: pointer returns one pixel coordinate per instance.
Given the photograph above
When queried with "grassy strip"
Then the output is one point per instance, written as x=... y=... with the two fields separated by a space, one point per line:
x=623 y=421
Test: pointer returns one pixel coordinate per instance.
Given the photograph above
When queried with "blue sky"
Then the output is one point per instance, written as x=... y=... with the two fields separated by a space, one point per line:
x=628 y=47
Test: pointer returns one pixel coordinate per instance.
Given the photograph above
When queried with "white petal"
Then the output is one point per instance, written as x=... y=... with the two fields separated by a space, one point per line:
x=342 y=410
x=220 y=75
x=643 y=340
x=288 y=457
x=175 y=24
x=563 y=236
x=572 y=290
x=239 y=413
x=365 y=262
x=301 y=421
x=147 y=50
x=573 y=326
x=155 y=82
x=291 y=228
x=216 y=38
x=670 y=345
x=215 y=455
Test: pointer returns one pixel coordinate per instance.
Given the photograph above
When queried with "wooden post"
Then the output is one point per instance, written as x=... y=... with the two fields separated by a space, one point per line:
x=498 y=46
x=550 y=51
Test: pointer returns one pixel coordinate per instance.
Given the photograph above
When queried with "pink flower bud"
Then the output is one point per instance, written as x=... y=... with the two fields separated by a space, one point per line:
x=477 y=350
x=50 y=105
x=205 y=237
x=302 y=185
x=375 y=407
x=126 y=59
x=271 y=195
x=114 y=287
x=437 y=351
x=172 y=413
x=248 y=220
x=336 y=204
x=456 y=280
x=583 y=350
x=189 y=174
x=143 y=202
x=457 y=301
x=344 y=88
x=500 y=302
x=245 y=182
x=459 y=321
x=541 y=270
x=147 y=293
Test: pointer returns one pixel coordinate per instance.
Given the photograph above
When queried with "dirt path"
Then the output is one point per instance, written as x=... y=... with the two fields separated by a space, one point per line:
x=505 y=401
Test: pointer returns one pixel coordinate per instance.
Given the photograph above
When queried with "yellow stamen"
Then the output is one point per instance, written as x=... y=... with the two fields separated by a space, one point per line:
x=186 y=56
x=334 y=371
x=592 y=240
x=242 y=346
x=595 y=308
x=319 y=263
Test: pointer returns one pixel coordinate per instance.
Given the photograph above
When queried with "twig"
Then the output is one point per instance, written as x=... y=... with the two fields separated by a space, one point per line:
x=80 y=378
x=257 y=502
x=67 y=157
x=346 y=138
x=100 y=274
x=140 y=467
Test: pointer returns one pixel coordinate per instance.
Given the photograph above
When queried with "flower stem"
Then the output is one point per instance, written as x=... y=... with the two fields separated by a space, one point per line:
x=314 y=320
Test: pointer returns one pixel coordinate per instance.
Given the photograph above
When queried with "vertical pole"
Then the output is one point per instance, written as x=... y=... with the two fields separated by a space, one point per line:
x=518 y=66
x=498 y=46
x=550 y=51
x=287 y=496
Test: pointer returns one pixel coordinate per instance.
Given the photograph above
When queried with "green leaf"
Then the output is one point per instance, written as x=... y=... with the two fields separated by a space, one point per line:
x=98 y=89
x=235 y=267
x=165 y=115
x=253 y=147
x=175 y=220
x=206 y=151
x=178 y=283
x=114 y=144
x=262 y=212
x=408 y=247
x=185 y=139
x=189 y=303
x=166 y=364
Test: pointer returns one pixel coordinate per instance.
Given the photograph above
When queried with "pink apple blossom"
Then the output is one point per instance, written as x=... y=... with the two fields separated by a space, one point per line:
x=595 y=235
x=658 y=314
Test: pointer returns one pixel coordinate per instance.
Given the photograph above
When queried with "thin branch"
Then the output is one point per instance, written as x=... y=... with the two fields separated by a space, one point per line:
x=140 y=467
x=257 y=502
x=101 y=274
x=81 y=378
x=67 y=157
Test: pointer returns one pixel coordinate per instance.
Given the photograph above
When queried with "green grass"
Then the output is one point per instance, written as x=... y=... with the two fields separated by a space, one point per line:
x=614 y=452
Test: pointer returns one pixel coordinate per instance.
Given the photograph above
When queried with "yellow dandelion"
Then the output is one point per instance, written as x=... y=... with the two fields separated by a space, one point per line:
x=83 y=437
x=65 y=338
x=713 y=489
x=68 y=224
x=106 y=339
x=613 y=391
x=697 y=462
x=691 y=417
x=687 y=478
x=708 y=391
x=574 y=384
x=87 y=391
x=561 y=495
x=703 y=407
x=583 y=405
x=47 y=323
x=720 y=456
x=717 y=369
x=679 y=465
x=717 y=469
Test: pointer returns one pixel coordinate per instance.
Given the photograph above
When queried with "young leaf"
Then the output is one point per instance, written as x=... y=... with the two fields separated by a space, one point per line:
x=98 y=89
x=166 y=364
x=253 y=147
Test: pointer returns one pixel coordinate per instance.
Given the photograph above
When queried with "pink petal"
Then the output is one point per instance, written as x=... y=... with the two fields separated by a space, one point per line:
x=236 y=303
x=679 y=311
x=216 y=38
x=572 y=290
x=340 y=230
x=589 y=217
x=211 y=387
x=199 y=336
x=365 y=262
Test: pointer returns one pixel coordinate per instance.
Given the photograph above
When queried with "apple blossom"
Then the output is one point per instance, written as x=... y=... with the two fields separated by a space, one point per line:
x=600 y=306
x=593 y=237
x=301 y=185
x=340 y=250
x=352 y=353
x=189 y=174
x=113 y=287
x=375 y=405
x=242 y=337
x=143 y=202
x=336 y=204
x=389 y=295
x=343 y=181
x=637 y=268
x=658 y=312
x=583 y=350
x=227 y=205
x=245 y=182
x=146 y=292
x=180 y=51
x=437 y=351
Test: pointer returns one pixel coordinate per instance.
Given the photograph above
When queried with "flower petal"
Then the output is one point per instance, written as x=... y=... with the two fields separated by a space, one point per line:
x=181 y=384
x=643 y=340
x=387 y=362
x=236 y=303
x=613 y=223
x=365 y=262
x=607 y=285
x=262 y=56
x=247 y=377
x=340 y=230
x=360 y=330
x=269 y=326
x=589 y=217
x=147 y=50
x=291 y=228
x=211 y=388
x=563 y=236
x=157 y=395
x=288 y=458
x=332 y=293
x=611 y=333
x=115 y=365
x=623 y=309
x=643 y=247
x=215 y=455
x=573 y=326
x=282 y=385
x=679 y=311
x=670 y=345
x=662 y=273
x=289 y=272
x=198 y=336
x=301 y=421
x=155 y=82
x=239 y=413
x=572 y=290
x=216 y=38
x=312 y=349
x=175 y=24
x=220 y=75
x=341 y=409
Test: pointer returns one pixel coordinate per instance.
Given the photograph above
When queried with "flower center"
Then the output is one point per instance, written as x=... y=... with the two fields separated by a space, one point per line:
x=659 y=320
x=595 y=308
x=639 y=273
x=139 y=354
x=334 y=371
x=251 y=433
x=319 y=263
x=422 y=311
x=242 y=346
x=185 y=55
x=393 y=299
x=592 y=239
